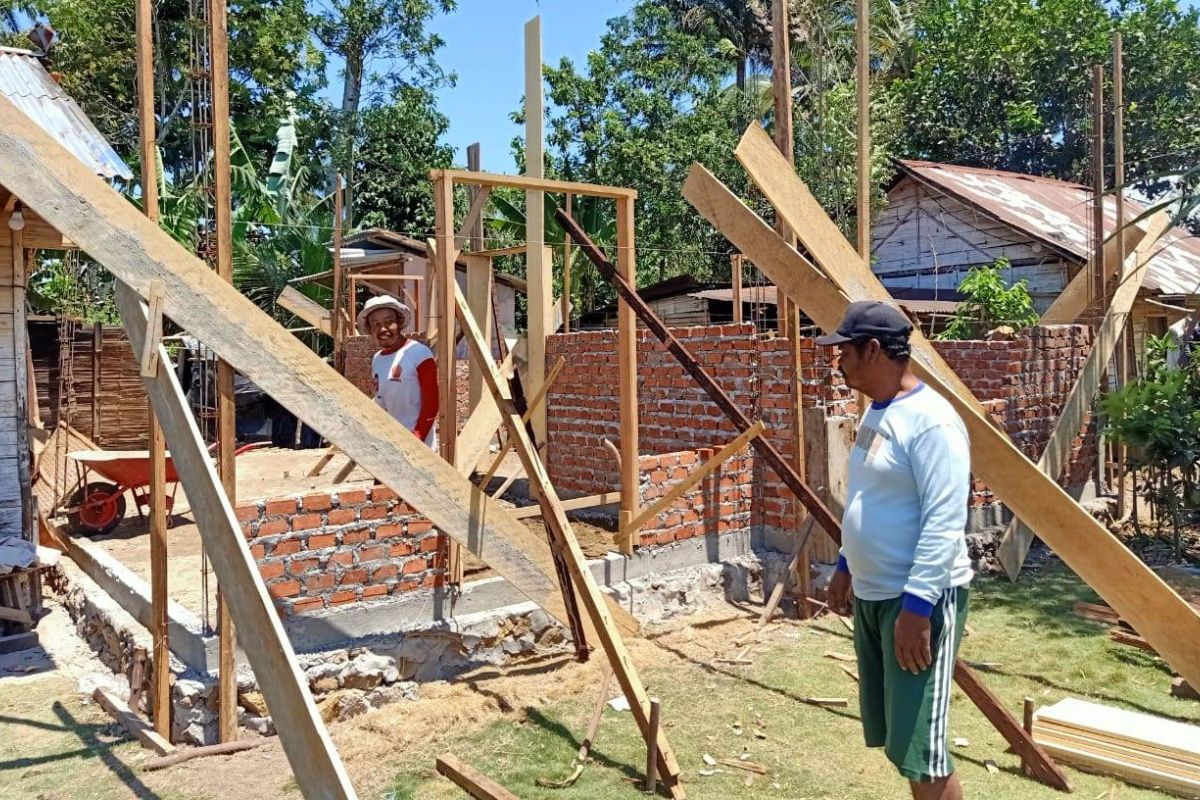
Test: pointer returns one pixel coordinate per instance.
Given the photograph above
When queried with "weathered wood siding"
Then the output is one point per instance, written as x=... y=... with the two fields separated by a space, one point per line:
x=929 y=240
x=13 y=450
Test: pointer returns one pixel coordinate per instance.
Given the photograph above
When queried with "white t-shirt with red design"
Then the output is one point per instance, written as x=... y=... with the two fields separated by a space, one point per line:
x=397 y=387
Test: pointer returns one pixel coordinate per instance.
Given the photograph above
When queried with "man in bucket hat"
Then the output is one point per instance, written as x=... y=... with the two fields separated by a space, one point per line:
x=903 y=569
x=404 y=370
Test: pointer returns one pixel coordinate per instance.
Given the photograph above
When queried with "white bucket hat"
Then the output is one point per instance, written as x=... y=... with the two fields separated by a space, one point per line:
x=380 y=302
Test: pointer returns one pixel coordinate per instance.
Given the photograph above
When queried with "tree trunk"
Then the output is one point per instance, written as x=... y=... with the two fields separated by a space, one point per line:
x=741 y=74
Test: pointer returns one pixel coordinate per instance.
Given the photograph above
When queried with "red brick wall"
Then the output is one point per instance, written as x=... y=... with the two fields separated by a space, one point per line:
x=361 y=349
x=1027 y=380
x=720 y=503
x=329 y=549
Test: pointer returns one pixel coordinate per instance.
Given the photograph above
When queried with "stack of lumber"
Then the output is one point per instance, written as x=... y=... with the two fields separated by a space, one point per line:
x=1138 y=748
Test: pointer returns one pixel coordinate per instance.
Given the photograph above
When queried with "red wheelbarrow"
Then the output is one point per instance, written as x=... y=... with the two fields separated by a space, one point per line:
x=97 y=507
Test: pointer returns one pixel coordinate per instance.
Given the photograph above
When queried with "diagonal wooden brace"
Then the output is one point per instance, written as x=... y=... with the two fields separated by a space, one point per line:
x=697 y=475
x=564 y=538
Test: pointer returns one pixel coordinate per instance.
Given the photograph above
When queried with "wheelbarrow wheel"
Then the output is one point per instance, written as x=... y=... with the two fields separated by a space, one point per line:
x=97 y=508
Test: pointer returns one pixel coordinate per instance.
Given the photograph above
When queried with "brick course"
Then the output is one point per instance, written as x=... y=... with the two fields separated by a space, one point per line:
x=329 y=548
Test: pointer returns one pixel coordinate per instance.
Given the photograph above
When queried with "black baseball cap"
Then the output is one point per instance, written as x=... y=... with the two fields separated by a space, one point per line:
x=868 y=319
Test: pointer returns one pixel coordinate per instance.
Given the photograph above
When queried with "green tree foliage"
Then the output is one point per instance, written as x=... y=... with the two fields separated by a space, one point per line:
x=988 y=303
x=1007 y=84
x=399 y=143
x=1157 y=417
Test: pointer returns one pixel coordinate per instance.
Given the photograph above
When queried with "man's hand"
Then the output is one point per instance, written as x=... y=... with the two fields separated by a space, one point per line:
x=840 y=594
x=912 y=642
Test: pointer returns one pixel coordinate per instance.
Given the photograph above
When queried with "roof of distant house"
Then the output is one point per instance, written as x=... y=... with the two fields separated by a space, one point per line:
x=25 y=81
x=1059 y=214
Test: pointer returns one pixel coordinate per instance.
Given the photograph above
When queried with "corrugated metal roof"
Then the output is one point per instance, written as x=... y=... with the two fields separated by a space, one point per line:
x=769 y=295
x=1058 y=213
x=25 y=82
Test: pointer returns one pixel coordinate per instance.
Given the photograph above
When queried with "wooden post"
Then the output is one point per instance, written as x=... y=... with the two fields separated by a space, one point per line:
x=652 y=747
x=1118 y=79
x=1098 y=184
x=443 y=206
x=1027 y=724
x=862 y=42
x=16 y=227
x=627 y=381
x=781 y=71
x=337 y=323
x=736 y=263
x=226 y=428
x=538 y=264
x=566 y=276
x=160 y=692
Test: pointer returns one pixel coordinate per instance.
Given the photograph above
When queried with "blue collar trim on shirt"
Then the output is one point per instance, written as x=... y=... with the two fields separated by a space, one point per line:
x=880 y=406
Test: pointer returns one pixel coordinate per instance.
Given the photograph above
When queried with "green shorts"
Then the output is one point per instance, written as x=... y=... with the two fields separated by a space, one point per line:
x=907 y=714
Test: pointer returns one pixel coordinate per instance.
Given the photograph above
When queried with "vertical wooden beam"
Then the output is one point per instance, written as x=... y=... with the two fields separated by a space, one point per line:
x=862 y=39
x=443 y=207
x=651 y=786
x=16 y=226
x=226 y=429
x=627 y=378
x=1098 y=184
x=736 y=263
x=475 y=234
x=781 y=70
x=336 y=321
x=160 y=690
x=566 y=275
x=1118 y=79
x=538 y=265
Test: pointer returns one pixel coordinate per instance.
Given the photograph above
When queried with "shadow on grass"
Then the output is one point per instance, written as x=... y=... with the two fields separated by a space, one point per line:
x=1044 y=599
x=555 y=728
x=93 y=748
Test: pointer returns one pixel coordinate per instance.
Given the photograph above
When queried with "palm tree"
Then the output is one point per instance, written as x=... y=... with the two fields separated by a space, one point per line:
x=744 y=25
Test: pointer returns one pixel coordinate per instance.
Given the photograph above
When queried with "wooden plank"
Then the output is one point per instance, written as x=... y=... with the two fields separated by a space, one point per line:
x=138 y=727
x=160 y=695
x=1092 y=762
x=1087 y=547
x=319 y=772
x=698 y=474
x=1073 y=300
x=627 y=377
x=137 y=251
x=574 y=504
x=149 y=361
x=1018 y=538
x=565 y=543
x=474 y=217
x=531 y=183
x=443 y=195
x=538 y=259
x=479 y=295
x=308 y=310
x=480 y=428
x=536 y=402
x=470 y=780
x=180 y=756
x=825 y=242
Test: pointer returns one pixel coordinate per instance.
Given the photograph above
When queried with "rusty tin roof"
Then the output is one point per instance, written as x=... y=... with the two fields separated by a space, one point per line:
x=1058 y=214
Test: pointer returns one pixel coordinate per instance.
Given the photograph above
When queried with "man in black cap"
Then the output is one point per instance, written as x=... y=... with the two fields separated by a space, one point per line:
x=903 y=569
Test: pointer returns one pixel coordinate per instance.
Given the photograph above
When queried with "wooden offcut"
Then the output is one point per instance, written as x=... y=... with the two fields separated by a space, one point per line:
x=471 y=780
x=139 y=728
x=1086 y=546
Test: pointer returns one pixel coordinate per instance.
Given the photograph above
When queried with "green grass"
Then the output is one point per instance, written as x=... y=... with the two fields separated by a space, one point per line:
x=53 y=747
x=1041 y=649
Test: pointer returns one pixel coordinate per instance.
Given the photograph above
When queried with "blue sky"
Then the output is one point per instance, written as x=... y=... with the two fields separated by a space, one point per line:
x=485 y=46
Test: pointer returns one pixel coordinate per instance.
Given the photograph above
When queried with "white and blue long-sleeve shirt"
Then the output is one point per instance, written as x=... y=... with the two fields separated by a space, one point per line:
x=903 y=531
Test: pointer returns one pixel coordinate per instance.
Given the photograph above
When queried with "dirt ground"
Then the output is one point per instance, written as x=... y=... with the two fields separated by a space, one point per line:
x=276 y=472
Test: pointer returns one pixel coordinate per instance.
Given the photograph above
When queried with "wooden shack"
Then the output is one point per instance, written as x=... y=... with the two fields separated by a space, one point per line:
x=942 y=220
x=25 y=81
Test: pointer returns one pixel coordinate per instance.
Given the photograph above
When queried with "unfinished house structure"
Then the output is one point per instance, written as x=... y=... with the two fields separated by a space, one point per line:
x=943 y=219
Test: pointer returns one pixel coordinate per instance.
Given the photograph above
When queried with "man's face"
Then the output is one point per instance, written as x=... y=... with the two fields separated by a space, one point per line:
x=385 y=326
x=857 y=361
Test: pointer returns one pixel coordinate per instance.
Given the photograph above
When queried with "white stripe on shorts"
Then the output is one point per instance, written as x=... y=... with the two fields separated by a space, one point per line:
x=943 y=677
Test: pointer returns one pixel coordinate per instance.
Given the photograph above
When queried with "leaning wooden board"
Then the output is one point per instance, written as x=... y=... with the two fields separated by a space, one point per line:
x=106 y=226
x=1098 y=557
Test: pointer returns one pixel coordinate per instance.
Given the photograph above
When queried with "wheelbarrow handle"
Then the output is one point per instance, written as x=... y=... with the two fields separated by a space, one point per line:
x=212 y=448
